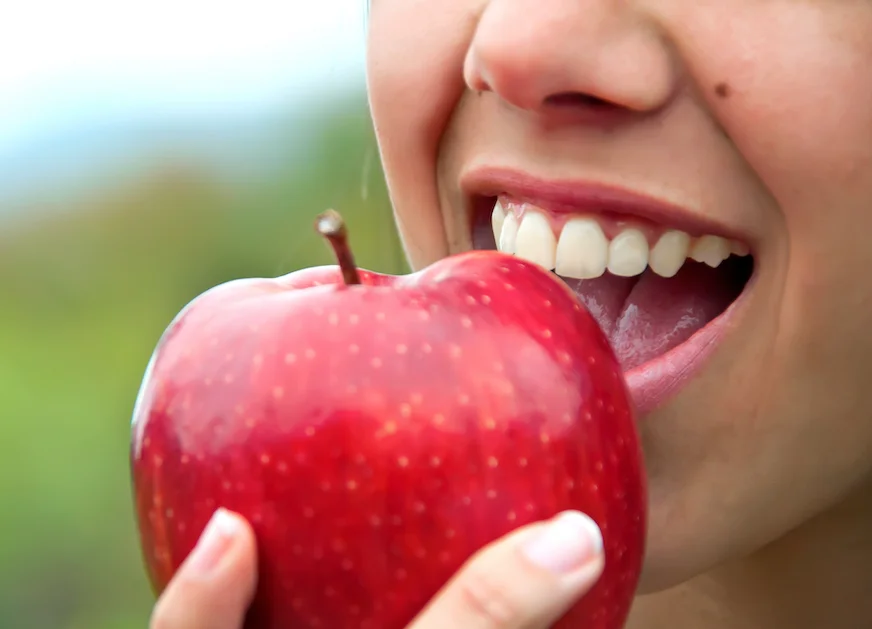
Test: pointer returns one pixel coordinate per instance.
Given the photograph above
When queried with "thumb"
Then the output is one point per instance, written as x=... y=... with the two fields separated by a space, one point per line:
x=526 y=580
x=215 y=584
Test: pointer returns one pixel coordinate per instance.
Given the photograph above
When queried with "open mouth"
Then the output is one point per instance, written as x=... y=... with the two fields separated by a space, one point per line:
x=653 y=289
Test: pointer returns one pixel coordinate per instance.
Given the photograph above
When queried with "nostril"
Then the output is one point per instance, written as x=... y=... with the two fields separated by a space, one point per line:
x=578 y=99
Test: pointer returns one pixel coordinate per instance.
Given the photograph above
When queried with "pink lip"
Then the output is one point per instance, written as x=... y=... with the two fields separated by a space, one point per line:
x=562 y=197
x=654 y=382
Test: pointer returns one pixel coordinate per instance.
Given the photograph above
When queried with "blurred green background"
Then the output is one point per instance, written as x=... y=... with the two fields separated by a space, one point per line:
x=91 y=274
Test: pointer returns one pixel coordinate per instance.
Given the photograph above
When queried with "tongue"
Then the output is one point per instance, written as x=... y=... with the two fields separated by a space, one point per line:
x=645 y=317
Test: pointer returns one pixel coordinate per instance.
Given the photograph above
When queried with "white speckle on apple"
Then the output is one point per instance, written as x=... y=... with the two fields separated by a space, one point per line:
x=492 y=461
x=297 y=550
x=184 y=459
x=354 y=348
x=420 y=553
x=376 y=362
x=169 y=513
x=424 y=315
x=435 y=461
x=522 y=461
x=594 y=487
x=547 y=303
x=512 y=516
x=504 y=269
x=310 y=353
x=157 y=460
x=228 y=378
x=466 y=500
x=347 y=565
x=315 y=623
x=564 y=357
x=444 y=557
x=438 y=419
x=181 y=527
x=257 y=361
x=264 y=459
x=226 y=486
x=325 y=486
x=207 y=382
x=485 y=299
x=400 y=574
x=454 y=351
x=228 y=357
x=390 y=427
x=469 y=299
x=250 y=422
x=529 y=507
x=491 y=493
x=570 y=484
x=290 y=359
x=402 y=349
x=419 y=507
x=587 y=416
x=339 y=545
x=282 y=467
x=375 y=521
x=379 y=316
x=146 y=442
x=463 y=399
x=355 y=610
x=309 y=432
x=308 y=512
x=297 y=603
x=508 y=286
x=567 y=418
x=278 y=393
x=333 y=318
x=406 y=410
x=351 y=484
x=544 y=437
x=426 y=348
x=213 y=342
x=319 y=311
x=450 y=533
x=416 y=398
x=403 y=461
x=329 y=592
x=351 y=389
x=466 y=322
x=489 y=423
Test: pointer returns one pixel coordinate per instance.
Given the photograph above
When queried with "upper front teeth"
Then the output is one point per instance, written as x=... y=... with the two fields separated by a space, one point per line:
x=583 y=251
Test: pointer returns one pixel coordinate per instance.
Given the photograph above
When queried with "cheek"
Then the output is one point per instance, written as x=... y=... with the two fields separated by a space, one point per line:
x=414 y=74
x=799 y=110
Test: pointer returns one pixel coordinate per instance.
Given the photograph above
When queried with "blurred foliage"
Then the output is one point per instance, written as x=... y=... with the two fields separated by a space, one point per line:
x=85 y=297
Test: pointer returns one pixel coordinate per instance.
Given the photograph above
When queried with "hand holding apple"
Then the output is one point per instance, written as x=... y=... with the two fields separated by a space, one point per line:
x=377 y=431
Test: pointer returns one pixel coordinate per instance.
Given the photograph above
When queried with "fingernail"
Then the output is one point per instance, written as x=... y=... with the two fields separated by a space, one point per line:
x=215 y=541
x=565 y=544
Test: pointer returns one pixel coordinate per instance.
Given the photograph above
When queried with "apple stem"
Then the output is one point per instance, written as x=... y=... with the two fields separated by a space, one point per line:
x=331 y=225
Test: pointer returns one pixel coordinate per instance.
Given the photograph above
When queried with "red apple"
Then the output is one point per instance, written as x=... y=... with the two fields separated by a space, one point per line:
x=378 y=430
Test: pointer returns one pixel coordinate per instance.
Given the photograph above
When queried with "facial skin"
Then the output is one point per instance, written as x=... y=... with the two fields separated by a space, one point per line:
x=756 y=114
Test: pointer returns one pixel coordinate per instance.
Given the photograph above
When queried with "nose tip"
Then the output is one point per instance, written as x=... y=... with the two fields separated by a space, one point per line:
x=535 y=55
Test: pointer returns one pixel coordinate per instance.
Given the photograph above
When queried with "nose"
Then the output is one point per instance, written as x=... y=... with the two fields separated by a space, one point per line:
x=550 y=55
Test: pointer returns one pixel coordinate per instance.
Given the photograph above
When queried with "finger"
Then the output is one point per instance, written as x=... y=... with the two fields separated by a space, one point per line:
x=526 y=580
x=215 y=584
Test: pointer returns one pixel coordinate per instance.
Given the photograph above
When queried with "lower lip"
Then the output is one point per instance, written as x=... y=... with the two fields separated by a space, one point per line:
x=653 y=383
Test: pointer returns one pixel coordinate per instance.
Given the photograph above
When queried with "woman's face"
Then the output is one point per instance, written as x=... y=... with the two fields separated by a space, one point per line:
x=751 y=120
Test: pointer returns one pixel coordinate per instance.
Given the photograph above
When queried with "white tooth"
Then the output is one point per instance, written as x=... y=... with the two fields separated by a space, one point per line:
x=536 y=241
x=497 y=219
x=669 y=254
x=508 y=234
x=582 y=251
x=711 y=250
x=628 y=253
x=739 y=248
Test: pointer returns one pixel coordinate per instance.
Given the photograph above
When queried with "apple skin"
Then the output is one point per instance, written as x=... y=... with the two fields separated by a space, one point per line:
x=377 y=435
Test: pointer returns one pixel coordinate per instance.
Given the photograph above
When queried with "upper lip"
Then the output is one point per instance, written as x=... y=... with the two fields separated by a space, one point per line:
x=579 y=196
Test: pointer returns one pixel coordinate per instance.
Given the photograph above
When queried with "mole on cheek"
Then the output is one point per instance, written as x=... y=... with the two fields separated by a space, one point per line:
x=723 y=90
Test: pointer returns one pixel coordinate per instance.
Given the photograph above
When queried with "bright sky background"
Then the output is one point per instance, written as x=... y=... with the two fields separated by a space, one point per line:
x=68 y=62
